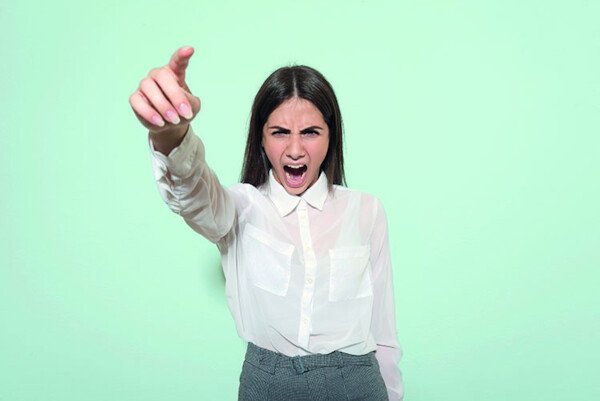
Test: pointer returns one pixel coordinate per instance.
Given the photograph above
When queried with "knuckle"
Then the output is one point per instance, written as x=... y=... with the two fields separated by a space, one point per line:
x=146 y=83
x=163 y=74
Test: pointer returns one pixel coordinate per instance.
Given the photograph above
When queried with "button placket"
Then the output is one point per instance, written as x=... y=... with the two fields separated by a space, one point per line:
x=309 y=274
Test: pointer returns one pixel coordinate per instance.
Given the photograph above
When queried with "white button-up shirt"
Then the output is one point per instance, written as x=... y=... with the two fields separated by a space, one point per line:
x=304 y=274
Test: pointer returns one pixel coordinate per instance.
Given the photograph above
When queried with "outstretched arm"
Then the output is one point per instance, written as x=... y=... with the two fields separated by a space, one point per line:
x=164 y=104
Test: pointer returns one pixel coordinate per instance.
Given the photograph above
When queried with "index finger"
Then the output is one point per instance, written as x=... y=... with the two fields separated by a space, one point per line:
x=179 y=61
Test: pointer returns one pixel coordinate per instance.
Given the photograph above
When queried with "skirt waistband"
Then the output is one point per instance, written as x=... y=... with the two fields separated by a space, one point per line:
x=268 y=360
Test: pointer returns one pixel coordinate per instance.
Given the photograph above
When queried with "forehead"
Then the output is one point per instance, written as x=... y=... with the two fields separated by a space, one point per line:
x=296 y=111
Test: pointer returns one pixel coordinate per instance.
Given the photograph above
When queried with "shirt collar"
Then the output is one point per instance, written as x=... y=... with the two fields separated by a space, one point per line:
x=285 y=203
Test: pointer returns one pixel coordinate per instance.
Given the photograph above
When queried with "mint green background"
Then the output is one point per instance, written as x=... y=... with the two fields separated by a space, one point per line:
x=476 y=123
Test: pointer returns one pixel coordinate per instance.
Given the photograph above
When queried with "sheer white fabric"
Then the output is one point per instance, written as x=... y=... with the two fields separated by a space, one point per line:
x=304 y=274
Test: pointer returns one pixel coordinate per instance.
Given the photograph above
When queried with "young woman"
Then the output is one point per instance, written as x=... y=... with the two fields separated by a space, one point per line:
x=306 y=260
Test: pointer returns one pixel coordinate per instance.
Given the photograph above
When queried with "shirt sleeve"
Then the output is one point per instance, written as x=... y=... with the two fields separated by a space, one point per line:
x=192 y=190
x=383 y=327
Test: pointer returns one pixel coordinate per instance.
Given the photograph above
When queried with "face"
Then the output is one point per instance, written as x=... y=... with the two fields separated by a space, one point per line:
x=296 y=139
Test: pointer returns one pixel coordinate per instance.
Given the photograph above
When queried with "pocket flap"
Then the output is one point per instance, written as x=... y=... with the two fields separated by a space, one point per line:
x=268 y=239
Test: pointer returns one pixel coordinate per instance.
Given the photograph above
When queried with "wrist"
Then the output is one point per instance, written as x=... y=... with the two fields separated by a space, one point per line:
x=167 y=140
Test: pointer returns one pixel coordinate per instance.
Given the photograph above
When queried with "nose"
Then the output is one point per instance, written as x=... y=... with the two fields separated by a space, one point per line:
x=295 y=148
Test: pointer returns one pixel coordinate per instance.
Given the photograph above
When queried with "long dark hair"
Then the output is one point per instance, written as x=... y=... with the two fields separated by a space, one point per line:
x=283 y=84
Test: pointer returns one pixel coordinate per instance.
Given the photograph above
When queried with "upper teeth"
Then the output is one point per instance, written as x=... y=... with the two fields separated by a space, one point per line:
x=290 y=166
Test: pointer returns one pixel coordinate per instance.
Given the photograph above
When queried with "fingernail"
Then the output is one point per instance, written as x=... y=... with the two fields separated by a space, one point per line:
x=156 y=120
x=173 y=117
x=185 y=111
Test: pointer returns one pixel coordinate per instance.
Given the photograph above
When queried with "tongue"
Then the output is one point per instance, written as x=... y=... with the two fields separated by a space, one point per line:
x=294 y=179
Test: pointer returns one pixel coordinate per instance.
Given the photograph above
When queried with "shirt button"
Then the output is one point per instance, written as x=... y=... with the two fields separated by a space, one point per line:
x=305 y=321
x=309 y=280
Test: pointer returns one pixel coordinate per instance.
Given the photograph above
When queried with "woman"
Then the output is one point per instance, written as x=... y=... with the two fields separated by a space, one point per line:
x=306 y=260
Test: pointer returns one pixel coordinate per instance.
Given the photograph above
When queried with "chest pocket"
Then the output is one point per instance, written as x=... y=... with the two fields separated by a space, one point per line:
x=267 y=259
x=350 y=275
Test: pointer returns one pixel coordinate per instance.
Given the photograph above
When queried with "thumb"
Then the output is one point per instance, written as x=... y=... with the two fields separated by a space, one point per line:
x=194 y=102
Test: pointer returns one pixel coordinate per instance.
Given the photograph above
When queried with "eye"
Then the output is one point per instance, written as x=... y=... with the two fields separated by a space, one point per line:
x=310 y=132
x=279 y=133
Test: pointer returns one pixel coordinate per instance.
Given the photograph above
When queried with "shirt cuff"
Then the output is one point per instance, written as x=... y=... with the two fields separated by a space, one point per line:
x=180 y=160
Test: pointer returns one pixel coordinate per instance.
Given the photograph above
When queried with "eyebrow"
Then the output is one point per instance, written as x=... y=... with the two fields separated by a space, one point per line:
x=311 y=128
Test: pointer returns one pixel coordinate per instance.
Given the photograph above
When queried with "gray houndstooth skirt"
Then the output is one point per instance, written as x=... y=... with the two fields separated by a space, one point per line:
x=271 y=376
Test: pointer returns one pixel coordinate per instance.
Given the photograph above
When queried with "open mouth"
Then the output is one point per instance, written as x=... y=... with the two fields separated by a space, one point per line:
x=295 y=174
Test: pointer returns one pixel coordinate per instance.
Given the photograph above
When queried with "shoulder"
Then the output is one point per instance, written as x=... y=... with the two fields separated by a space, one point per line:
x=365 y=198
x=247 y=190
x=247 y=194
x=366 y=207
x=242 y=188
